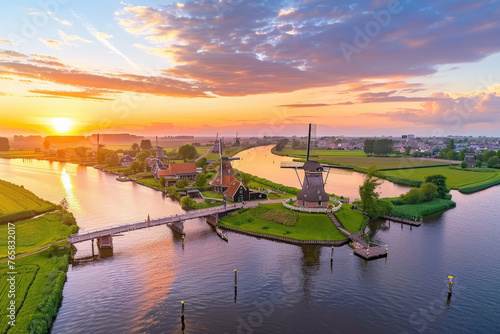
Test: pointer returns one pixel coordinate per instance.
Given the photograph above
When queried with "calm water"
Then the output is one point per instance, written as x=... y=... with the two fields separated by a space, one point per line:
x=281 y=288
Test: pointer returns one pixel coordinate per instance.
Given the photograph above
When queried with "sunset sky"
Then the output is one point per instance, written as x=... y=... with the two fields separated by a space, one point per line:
x=258 y=67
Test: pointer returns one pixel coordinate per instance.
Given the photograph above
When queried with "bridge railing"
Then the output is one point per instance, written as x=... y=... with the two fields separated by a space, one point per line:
x=183 y=216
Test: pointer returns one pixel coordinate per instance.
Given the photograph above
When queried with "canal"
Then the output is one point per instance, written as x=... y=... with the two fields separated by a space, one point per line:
x=281 y=288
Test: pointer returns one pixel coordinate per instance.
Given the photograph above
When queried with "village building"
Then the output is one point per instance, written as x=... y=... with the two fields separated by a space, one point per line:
x=178 y=171
x=126 y=160
x=225 y=176
x=237 y=192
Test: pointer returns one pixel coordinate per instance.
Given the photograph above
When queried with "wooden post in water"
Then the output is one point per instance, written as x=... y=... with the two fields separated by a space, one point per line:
x=235 y=279
x=331 y=259
x=450 y=284
x=92 y=241
x=182 y=308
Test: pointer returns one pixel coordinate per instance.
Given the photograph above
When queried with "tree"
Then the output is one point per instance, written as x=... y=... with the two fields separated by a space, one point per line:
x=187 y=151
x=187 y=202
x=46 y=144
x=202 y=162
x=281 y=144
x=488 y=154
x=81 y=152
x=440 y=182
x=413 y=196
x=136 y=167
x=181 y=183
x=451 y=144
x=498 y=153
x=296 y=144
x=246 y=179
x=493 y=161
x=201 y=179
x=112 y=159
x=461 y=155
x=407 y=150
x=452 y=155
x=368 y=195
x=368 y=147
x=141 y=156
x=463 y=164
x=429 y=191
x=162 y=182
x=442 y=154
x=4 y=144
x=146 y=144
x=383 y=147
x=135 y=147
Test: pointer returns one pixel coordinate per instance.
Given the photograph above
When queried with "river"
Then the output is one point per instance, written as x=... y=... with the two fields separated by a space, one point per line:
x=281 y=288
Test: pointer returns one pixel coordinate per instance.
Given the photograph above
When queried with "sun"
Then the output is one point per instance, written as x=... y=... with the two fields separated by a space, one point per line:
x=61 y=124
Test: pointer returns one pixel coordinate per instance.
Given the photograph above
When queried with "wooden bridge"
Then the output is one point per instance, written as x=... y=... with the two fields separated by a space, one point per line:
x=104 y=236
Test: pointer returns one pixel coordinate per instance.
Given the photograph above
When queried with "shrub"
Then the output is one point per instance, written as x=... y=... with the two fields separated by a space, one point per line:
x=187 y=202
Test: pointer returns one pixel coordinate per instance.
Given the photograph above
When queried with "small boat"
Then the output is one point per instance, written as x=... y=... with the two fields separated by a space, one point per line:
x=122 y=178
x=220 y=234
x=64 y=203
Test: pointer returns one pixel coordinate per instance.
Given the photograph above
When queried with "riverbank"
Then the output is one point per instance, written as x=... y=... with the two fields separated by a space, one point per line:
x=40 y=276
x=273 y=221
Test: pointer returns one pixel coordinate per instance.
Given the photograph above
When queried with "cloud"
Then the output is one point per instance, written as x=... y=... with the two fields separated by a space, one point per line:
x=104 y=35
x=313 y=105
x=68 y=39
x=256 y=47
x=45 y=69
x=63 y=22
x=87 y=94
x=53 y=44
x=452 y=111
x=7 y=41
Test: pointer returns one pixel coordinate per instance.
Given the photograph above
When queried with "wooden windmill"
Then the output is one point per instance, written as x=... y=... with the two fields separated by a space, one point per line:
x=237 y=141
x=225 y=174
x=312 y=194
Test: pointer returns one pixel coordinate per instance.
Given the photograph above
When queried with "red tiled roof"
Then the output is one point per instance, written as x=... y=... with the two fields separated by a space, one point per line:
x=233 y=188
x=182 y=168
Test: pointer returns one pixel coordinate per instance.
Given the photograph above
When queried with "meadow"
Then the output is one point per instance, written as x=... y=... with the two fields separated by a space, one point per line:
x=18 y=203
x=308 y=226
x=459 y=179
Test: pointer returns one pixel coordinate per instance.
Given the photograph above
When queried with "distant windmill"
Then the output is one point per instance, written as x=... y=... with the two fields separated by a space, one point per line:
x=217 y=148
x=237 y=141
x=225 y=174
x=313 y=193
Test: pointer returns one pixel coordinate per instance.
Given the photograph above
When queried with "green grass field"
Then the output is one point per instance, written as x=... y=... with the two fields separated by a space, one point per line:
x=308 y=226
x=36 y=233
x=212 y=194
x=456 y=178
x=24 y=278
x=325 y=153
x=41 y=302
x=17 y=202
x=21 y=154
x=350 y=219
x=151 y=182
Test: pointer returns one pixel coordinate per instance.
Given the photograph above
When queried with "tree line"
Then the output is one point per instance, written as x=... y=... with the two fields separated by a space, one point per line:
x=381 y=147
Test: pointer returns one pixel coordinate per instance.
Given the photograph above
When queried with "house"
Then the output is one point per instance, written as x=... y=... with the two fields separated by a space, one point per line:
x=179 y=171
x=470 y=158
x=237 y=192
x=126 y=160
x=225 y=176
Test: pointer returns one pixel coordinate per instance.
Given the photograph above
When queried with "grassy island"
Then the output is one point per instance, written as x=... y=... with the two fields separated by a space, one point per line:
x=41 y=262
x=275 y=220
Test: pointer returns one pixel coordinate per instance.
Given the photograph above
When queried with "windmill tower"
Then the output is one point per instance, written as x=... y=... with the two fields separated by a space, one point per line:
x=313 y=193
x=237 y=141
x=225 y=174
x=217 y=148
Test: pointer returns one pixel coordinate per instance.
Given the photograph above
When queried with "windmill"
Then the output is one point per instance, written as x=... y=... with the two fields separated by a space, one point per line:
x=225 y=174
x=217 y=148
x=237 y=141
x=312 y=194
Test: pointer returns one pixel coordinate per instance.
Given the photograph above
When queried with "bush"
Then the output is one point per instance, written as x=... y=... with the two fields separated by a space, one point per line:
x=187 y=203
x=416 y=211
x=413 y=196
x=463 y=164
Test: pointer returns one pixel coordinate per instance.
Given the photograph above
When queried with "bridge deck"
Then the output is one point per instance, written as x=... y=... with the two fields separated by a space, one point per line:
x=96 y=233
